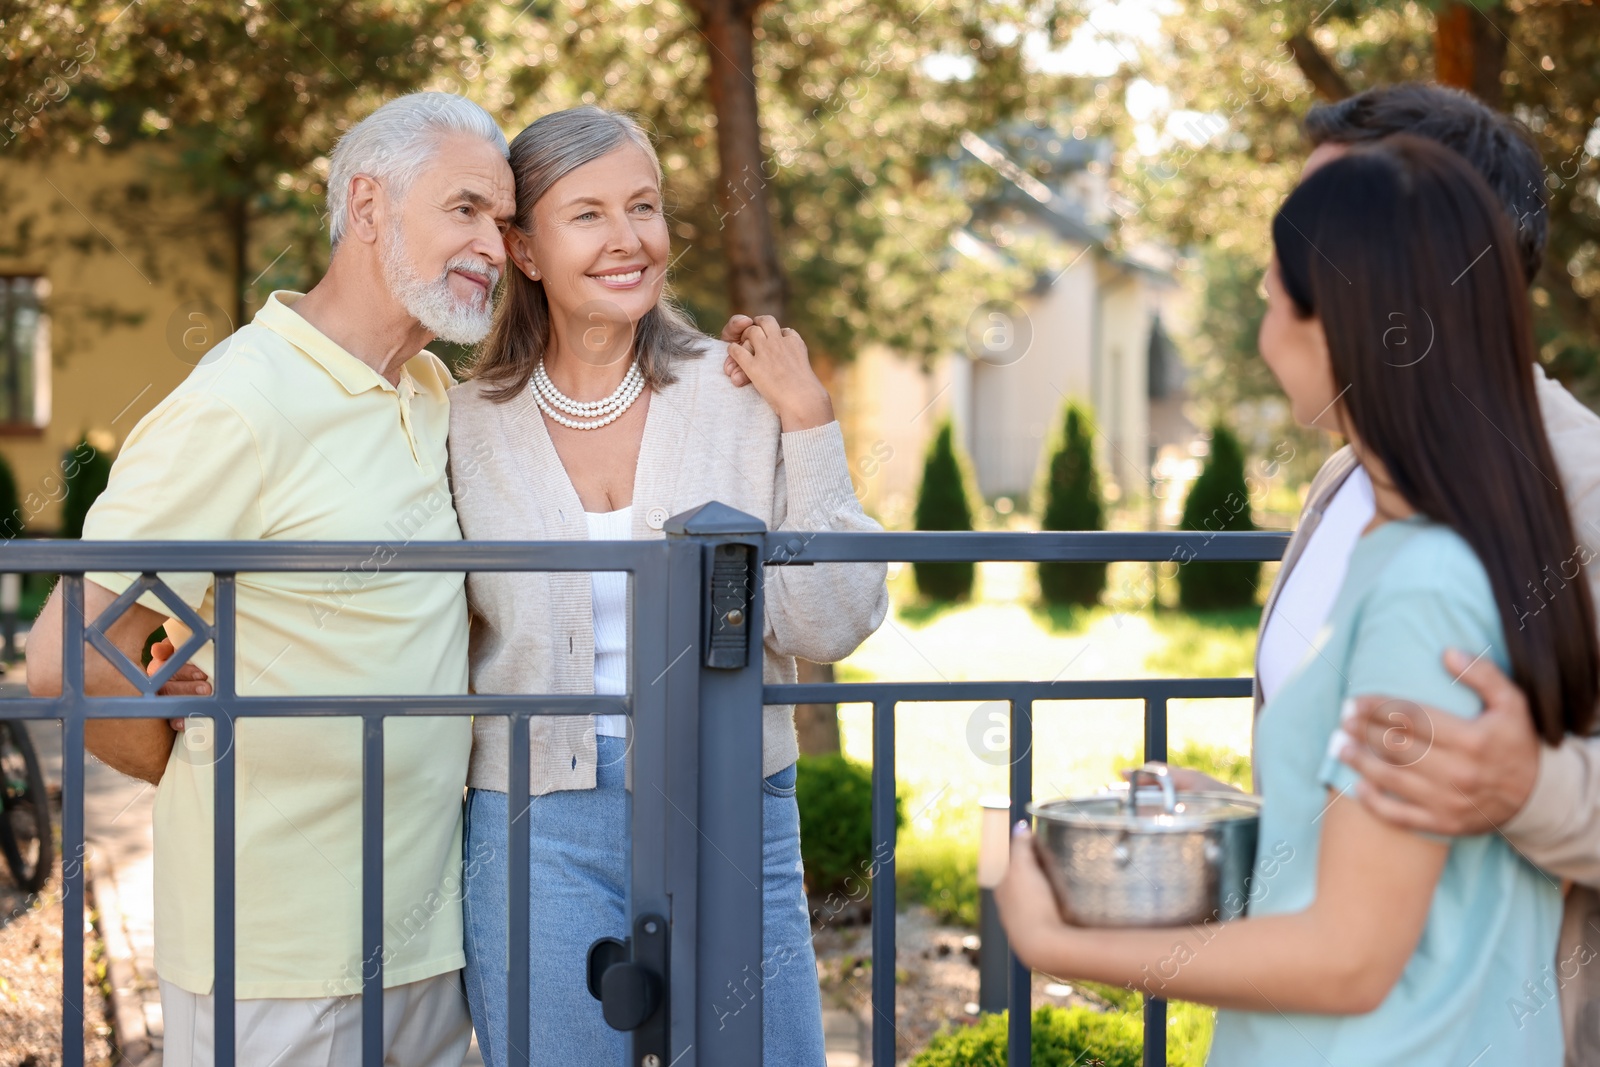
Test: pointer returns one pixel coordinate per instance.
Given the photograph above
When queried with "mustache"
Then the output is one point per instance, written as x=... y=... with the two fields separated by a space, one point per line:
x=470 y=265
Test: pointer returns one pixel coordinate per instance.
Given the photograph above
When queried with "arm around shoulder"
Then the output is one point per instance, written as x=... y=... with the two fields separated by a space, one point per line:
x=1558 y=829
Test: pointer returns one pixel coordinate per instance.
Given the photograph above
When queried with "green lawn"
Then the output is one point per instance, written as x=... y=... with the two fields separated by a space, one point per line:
x=943 y=766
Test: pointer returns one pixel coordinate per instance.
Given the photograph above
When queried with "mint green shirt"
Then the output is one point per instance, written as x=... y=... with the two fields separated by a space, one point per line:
x=1479 y=989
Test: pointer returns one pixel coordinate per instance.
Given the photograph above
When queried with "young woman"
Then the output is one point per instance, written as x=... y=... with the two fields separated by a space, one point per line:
x=1365 y=943
x=596 y=411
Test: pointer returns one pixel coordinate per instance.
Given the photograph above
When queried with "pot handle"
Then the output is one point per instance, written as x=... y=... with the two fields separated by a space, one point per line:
x=1158 y=771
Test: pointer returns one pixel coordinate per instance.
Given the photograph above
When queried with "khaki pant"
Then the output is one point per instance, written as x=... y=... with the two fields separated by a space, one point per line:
x=425 y=1024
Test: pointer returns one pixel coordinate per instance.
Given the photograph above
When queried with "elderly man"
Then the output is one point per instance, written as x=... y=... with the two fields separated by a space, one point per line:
x=1428 y=770
x=324 y=419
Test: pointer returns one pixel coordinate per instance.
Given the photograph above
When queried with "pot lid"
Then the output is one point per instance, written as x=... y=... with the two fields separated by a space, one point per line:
x=1154 y=811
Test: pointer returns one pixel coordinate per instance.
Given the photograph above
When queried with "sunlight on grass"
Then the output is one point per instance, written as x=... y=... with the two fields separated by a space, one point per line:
x=951 y=755
x=1220 y=644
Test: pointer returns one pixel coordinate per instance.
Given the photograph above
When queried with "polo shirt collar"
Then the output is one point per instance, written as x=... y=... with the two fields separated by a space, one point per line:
x=279 y=316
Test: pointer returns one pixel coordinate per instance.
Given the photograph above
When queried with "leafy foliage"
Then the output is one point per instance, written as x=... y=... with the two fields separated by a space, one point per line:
x=1231 y=148
x=1072 y=1037
x=944 y=503
x=835 y=798
x=1072 y=501
x=941 y=874
x=1218 y=501
x=87 y=471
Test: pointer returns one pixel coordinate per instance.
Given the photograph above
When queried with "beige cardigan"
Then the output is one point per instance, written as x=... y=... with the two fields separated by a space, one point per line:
x=1558 y=829
x=704 y=440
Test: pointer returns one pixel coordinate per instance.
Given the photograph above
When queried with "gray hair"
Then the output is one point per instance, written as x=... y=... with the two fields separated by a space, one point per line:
x=541 y=155
x=396 y=141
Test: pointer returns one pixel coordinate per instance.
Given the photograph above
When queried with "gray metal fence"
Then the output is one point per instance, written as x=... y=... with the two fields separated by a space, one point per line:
x=694 y=701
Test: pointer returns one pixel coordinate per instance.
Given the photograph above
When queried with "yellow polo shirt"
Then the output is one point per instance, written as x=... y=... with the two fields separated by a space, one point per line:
x=283 y=435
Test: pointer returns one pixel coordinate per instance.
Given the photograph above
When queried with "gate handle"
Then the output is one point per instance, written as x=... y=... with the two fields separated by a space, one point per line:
x=629 y=994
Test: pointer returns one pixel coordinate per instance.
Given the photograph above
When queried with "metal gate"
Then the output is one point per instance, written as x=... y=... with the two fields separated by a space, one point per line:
x=694 y=701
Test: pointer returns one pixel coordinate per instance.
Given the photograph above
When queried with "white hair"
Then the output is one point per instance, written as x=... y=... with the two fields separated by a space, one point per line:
x=396 y=141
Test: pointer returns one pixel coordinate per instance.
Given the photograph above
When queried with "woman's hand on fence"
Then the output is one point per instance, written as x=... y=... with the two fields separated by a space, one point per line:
x=187 y=681
x=775 y=360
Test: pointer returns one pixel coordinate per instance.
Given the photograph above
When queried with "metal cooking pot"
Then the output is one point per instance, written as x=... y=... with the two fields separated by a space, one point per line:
x=1148 y=857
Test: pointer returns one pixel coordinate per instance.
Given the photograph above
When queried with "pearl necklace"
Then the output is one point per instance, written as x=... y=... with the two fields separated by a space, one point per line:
x=558 y=405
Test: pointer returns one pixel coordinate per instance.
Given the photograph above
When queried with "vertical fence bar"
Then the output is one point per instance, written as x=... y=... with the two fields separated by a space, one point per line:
x=883 y=895
x=518 y=942
x=668 y=603
x=1019 y=1031
x=372 y=890
x=224 y=965
x=72 y=846
x=1155 y=1009
x=726 y=616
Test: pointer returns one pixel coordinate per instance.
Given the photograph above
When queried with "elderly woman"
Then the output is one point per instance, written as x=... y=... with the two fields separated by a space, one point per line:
x=595 y=410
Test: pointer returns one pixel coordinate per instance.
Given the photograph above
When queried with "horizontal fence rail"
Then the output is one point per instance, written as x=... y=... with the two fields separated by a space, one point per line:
x=680 y=720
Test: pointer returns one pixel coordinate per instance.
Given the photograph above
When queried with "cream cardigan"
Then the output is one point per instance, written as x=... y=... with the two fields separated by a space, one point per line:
x=704 y=440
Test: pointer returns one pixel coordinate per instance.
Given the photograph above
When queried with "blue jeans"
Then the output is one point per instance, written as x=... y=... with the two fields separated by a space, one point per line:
x=577 y=894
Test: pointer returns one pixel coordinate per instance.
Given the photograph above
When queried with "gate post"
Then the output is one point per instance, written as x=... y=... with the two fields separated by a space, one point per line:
x=725 y=838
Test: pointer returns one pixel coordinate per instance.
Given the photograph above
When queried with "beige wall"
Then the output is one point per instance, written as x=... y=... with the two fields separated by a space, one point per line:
x=123 y=272
x=1015 y=406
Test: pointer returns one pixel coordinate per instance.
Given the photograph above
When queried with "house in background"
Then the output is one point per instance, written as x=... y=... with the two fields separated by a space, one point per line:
x=1095 y=330
x=111 y=289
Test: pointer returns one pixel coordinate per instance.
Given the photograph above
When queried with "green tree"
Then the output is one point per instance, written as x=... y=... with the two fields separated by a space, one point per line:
x=944 y=502
x=87 y=471
x=247 y=99
x=1219 y=501
x=1239 y=78
x=1072 y=501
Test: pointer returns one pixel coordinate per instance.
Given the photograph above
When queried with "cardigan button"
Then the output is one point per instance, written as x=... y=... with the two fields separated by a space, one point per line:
x=656 y=518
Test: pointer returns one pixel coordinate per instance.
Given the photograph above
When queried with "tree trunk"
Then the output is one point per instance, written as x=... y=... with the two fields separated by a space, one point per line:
x=1469 y=49
x=755 y=276
x=749 y=243
x=1317 y=68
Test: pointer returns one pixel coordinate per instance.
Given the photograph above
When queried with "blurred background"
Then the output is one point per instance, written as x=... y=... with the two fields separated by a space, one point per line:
x=1024 y=241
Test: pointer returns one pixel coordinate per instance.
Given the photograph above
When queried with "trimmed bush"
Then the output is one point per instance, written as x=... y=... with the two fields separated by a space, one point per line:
x=1072 y=501
x=87 y=471
x=835 y=798
x=11 y=521
x=1073 y=1037
x=944 y=503
x=1219 y=501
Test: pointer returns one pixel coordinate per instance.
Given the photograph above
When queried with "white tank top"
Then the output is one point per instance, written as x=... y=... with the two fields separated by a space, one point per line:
x=609 y=591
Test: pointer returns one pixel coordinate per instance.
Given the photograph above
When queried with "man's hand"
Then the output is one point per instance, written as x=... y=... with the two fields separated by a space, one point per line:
x=732 y=333
x=1428 y=770
x=187 y=681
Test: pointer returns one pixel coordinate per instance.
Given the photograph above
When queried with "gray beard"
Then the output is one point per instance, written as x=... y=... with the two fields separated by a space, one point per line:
x=431 y=302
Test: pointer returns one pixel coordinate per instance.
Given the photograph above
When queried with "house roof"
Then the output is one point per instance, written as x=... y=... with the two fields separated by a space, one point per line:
x=1069 y=218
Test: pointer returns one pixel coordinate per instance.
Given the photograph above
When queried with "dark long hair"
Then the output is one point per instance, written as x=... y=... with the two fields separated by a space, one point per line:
x=1406 y=256
x=1499 y=147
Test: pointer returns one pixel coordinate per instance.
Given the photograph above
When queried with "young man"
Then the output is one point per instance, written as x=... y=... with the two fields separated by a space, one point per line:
x=324 y=419
x=1427 y=770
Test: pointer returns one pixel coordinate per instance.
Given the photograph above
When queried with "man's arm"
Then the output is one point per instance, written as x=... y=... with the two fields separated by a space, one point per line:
x=136 y=747
x=1430 y=771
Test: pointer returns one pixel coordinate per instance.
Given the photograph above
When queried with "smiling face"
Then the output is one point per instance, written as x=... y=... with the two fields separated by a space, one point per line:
x=599 y=240
x=1296 y=351
x=443 y=251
